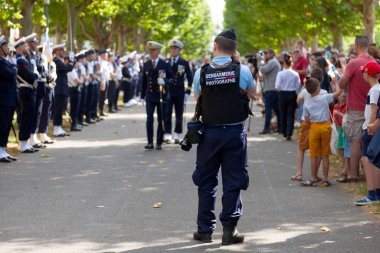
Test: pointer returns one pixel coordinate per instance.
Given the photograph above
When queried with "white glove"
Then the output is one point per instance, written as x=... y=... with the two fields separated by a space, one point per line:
x=161 y=81
x=186 y=97
x=71 y=56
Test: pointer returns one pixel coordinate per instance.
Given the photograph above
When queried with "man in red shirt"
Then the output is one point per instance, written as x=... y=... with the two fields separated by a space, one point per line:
x=357 y=90
x=300 y=64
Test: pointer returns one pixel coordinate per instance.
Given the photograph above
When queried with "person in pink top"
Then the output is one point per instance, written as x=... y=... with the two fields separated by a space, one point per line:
x=357 y=90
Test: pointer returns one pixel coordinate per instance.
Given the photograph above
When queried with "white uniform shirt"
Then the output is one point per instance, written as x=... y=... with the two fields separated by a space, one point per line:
x=71 y=77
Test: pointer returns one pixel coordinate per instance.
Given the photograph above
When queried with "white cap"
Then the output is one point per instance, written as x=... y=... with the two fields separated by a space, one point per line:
x=153 y=45
x=124 y=59
x=20 y=41
x=31 y=37
x=3 y=40
x=132 y=55
x=59 y=46
x=175 y=43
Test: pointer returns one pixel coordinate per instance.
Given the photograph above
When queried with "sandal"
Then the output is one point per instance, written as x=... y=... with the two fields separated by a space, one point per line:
x=325 y=184
x=309 y=183
x=296 y=177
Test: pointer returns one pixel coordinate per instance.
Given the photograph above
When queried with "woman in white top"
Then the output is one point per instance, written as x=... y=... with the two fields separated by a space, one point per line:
x=288 y=83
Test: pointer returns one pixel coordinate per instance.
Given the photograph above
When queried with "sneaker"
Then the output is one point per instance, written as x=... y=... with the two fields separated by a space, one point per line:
x=365 y=201
x=203 y=237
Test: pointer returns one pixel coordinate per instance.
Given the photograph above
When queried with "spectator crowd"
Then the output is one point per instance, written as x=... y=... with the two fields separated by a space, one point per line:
x=334 y=99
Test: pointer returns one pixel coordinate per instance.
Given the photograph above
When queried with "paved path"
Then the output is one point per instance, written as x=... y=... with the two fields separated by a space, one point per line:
x=95 y=191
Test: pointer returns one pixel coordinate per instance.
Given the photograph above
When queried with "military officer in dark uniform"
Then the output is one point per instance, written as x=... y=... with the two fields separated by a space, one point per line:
x=75 y=83
x=27 y=84
x=156 y=78
x=61 y=89
x=177 y=92
x=8 y=99
x=222 y=89
x=81 y=57
x=38 y=67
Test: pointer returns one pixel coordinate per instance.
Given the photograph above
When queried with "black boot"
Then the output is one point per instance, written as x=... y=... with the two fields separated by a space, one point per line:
x=231 y=236
x=203 y=237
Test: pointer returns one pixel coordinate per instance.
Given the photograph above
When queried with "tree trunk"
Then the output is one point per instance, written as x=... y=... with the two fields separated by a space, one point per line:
x=314 y=43
x=26 y=22
x=121 y=41
x=6 y=31
x=58 y=34
x=71 y=24
x=337 y=37
x=79 y=44
x=369 y=18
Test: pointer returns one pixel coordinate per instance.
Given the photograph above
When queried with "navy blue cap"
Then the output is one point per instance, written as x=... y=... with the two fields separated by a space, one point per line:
x=88 y=52
x=228 y=33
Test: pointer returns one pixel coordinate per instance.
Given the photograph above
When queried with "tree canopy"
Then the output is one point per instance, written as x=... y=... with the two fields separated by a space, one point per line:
x=122 y=25
x=277 y=23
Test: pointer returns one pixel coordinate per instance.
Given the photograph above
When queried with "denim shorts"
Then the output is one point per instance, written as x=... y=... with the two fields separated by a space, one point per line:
x=366 y=139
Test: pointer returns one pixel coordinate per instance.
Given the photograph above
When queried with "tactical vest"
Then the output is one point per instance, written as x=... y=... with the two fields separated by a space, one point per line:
x=222 y=99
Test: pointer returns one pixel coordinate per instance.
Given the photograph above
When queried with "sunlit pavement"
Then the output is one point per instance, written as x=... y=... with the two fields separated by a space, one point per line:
x=95 y=191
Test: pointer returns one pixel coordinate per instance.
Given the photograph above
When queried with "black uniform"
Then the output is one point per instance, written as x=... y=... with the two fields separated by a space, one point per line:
x=176 y=93
x=27 y=97
x=61 y=89
x=8 y=98
x=155 y=96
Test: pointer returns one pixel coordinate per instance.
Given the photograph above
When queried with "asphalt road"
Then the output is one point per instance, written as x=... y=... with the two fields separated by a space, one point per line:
x=95 y=191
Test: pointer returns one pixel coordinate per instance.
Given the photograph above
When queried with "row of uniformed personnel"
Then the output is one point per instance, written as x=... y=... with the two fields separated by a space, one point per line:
x=38 y=86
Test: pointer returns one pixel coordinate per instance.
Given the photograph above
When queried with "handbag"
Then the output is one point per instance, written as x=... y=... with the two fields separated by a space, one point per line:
x=334 y=140
x=373 y=151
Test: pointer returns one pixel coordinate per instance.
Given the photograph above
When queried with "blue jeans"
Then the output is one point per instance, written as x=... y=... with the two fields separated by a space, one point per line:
x=271 y=103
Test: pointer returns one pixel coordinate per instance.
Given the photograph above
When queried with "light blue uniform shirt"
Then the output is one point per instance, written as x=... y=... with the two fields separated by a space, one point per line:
x=246 y=78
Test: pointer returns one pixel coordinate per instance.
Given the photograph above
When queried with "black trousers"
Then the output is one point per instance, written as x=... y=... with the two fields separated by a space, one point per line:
x=89 y=97
x=150 y=108
x=60 y=102
x=95 y=100
x=6 y=117
x=40 y=96
x=26 y=117
x=111 y=94
x=47 y=106
x=74 y=104
x=82 y=103
x=288 y=105
x=102 y=98
x=177 y=103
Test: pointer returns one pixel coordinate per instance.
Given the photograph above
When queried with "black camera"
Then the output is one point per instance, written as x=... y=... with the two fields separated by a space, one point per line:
x=193 y=135
x=185 y=144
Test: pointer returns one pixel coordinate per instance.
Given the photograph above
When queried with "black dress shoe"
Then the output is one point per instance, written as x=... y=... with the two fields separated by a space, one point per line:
x=288 y=138
x=76 y=128
x=90 y=121
x=39 y=145
x=150 y=146
x=5 y=160
x=48 y=142
x=30 y=151
x=203 y=237
x=265 y=131
x=158 y=147
x=12 y=158
x=176 y=141
x=231 y=236
x=103 y=114
x=112 y=111
x=82 y=123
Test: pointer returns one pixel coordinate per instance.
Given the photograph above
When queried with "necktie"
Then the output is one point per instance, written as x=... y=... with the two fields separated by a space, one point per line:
x=154 y=63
